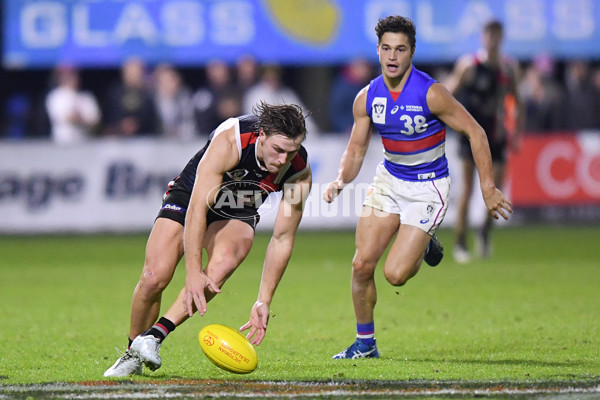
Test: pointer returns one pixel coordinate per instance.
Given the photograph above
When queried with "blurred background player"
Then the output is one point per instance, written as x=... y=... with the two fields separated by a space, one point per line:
x=409 y=196
x=486 y=85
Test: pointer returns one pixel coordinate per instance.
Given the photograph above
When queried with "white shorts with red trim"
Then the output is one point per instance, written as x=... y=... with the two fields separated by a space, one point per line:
x=422 y=204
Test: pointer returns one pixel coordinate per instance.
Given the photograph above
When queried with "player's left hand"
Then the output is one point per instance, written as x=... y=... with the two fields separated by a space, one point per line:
x=259 y=318
x=497 y=204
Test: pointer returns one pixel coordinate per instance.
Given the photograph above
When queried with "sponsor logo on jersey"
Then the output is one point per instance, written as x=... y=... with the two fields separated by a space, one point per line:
x=414 y=108
x=395 y=109
x=378 y=108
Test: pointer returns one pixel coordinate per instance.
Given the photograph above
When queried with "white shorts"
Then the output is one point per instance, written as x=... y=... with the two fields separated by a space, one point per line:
x=421 y=204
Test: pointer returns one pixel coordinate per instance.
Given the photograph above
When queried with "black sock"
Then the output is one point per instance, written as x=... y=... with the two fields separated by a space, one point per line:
x=161 y=329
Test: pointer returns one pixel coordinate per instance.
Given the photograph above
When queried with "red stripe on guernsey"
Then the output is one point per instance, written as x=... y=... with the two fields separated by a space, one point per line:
x=395 y=95
x=268 y=183
x=298 y=163
x=247 y=138
x=410 y=146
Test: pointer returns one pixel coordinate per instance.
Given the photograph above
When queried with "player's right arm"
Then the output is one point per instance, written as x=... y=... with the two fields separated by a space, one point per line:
x=220 y=156
x=358 y=144
x=460 y=74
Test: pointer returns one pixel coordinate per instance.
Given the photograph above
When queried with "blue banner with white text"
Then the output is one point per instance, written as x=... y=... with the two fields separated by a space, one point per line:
x=96 y=33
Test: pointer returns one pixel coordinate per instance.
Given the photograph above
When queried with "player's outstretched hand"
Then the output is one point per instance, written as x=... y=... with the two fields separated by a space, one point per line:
x=497 y=204
x=332 y=190
x=259 y=318
x=194 y=298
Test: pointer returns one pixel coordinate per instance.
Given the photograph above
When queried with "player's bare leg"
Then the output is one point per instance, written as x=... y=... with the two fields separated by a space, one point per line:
x=163 y=252
x=406 y=254
x=227 y=243
x=374 y=232
x=483 y=237
x=461 y=253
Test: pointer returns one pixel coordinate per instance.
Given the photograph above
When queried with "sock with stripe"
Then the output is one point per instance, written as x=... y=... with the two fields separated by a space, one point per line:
x=366 y=333
x=161 y=329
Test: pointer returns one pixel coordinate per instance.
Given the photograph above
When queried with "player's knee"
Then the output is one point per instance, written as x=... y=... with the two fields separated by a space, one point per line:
x=362 y=269
x=231 y=256
x=153 y=280
x=396 y=277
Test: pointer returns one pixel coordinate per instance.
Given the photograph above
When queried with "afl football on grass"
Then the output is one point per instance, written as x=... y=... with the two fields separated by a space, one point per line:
x=228 y=349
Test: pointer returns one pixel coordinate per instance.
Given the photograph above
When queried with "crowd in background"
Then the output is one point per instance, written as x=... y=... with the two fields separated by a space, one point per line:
x=157 y=100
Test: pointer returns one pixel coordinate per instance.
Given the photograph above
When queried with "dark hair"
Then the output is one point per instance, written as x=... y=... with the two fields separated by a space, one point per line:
x=397 y=24
x=286 y=119
x=493 y=26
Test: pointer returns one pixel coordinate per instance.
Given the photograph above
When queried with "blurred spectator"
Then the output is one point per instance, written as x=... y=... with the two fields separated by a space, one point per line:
x=129 y=107
x=246 y=73
x=578 y=97
x=270 y=89
x=73 y=113
x=596 y=97
x=354 y=76
x=218 y=84
x=16 y=116
x=229 y=105
x=173 y=104
x=541 y=96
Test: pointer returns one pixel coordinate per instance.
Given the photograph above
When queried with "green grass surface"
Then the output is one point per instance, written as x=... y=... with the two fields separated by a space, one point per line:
x=531 y=313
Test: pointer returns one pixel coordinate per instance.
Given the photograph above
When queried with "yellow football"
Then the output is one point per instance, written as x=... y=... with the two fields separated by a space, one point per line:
x=228 y=349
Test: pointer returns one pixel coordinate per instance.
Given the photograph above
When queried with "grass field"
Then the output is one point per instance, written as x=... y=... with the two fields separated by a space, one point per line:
x=528 y=316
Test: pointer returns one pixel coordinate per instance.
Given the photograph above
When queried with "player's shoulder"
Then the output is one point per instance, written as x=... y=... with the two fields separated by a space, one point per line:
x=301 y=157
x=362 y=93
x=300 y=160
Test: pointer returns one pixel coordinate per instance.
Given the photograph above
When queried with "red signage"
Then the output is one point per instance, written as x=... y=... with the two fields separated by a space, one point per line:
x=556 y=169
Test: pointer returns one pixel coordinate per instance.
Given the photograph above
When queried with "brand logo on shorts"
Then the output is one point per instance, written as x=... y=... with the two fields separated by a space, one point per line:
x=429 y=175
x=428 y=211
x=173 y=207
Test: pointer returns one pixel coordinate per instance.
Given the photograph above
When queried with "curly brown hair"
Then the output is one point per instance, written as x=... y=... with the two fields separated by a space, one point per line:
x=286 y=119
x=397 y=24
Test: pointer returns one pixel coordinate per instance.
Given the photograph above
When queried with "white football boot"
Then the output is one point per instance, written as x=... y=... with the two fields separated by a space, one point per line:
x=126 y=365
x=461 y=255
x=147 y=349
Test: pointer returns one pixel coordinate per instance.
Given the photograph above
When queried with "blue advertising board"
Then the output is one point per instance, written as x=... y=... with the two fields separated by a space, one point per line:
x=42 y=33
